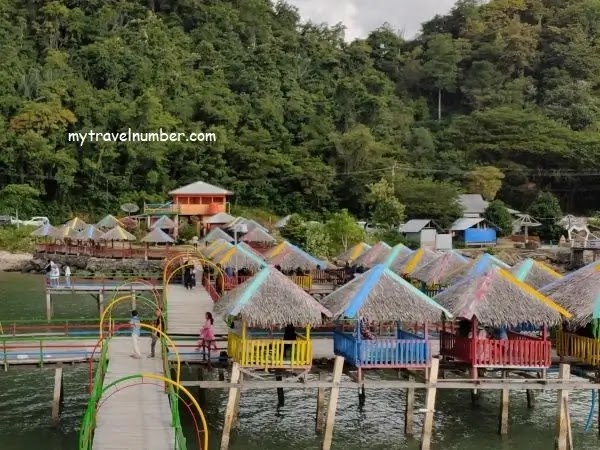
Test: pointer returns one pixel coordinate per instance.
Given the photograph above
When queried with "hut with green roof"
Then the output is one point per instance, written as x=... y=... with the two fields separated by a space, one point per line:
x=535 y=273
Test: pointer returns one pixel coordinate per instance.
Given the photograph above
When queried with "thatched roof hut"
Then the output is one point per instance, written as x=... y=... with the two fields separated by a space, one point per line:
x=578 y=292
x=215 y=234
x=270 y=299
x=43 y=231
x=219 y=250
x=282 y=246
x=250 y=249
x=258 y=235
x=437 y=271
x=249 y=223
x=498 y=299
x=239 y=257
x=375 y=255
x=164 y=223
x=64 y=232
x=117 y=234
x=109 y=222
x=353 y=252
x=475 y=268
x=413 y=261
x=76 y=223
x=293 y=257
x=535 y=273
x=89 y=233
x=381 y=295
x=157 y=236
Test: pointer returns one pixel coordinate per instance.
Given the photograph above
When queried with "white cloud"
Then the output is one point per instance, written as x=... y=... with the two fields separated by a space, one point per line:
x=362 y=16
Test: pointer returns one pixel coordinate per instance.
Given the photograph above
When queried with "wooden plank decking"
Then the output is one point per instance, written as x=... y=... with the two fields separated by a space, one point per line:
x=138 y=416
x=186 y=309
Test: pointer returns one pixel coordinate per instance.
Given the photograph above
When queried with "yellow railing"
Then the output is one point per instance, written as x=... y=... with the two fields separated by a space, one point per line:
x=270 y=353
x=304 y=281
x=584 y=349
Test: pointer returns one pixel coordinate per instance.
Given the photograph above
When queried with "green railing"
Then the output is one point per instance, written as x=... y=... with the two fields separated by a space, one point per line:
x=180 y=441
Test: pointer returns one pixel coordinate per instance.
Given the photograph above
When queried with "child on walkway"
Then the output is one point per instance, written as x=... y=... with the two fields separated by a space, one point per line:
x=135 y=334
x=207 y=335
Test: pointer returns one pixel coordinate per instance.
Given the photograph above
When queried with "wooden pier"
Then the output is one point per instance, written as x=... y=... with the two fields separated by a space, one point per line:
x=138 y=416
x=186 y=309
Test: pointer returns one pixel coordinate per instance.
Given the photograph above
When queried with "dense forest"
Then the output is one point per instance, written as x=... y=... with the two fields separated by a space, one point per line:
x=500 y=98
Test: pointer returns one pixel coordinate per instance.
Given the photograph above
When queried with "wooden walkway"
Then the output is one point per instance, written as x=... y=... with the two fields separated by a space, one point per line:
x=138 y=416
x=186 y=309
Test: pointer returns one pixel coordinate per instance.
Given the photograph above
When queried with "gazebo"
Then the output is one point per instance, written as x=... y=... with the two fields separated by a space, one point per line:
x=579 y=292
x=239 y=265
x=535 y=273
x=351 y=254
x=156 y=236
x=372 y=301
x=258 y=238
x=109 y=221
x=218 y=250
x=269 y=300
x=164 y=223
x=482 y=264
x=407 y=264
x=120 y=235
x=216 y=234
x=375 y=255
x=434 y=275
x=497 y=300
x=64 y=234
x=76 y=223
x=45 y=231
x=88 y=236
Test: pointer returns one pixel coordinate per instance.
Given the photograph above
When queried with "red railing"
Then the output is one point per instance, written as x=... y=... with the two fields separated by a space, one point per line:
x=211 y=289
x=107 y=252
x=518 y=351
x=232 y=282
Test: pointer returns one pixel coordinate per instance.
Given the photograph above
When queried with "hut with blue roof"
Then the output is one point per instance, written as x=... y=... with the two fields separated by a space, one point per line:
x=267 y=301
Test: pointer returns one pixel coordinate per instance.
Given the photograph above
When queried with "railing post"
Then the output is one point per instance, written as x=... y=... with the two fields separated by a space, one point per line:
x=41 y=353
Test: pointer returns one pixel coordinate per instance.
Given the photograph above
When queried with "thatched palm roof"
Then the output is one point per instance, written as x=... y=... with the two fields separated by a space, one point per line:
x=535 y=273
x=497 y=298
x=249 y=223
x=158 y=236
x=475 y=268
x=381 y=295
x=375 y=255
x=578 y=292
x=219 y=250
x=76 y=223
x=164 y=223
x=293 y=257
x=215 y=234
x=89 y=233
x=239 y=257
x=213 y=245
x=270 y=299
x=44 y=231
x=438 y=270
x=258 y=235
x=409 y=263
x=353 y=252
x=117 y=234
x=108 y=222
x=250 y=250
x=282 y=246
x=64 y=232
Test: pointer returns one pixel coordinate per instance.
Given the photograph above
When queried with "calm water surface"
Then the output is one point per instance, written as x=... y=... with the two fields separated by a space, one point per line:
x=26 y=392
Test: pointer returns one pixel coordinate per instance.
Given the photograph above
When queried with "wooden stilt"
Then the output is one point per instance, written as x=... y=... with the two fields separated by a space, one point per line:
x=409 y=409
x=100 y=303
x=201 y=391
x=320 y=419
x=230 y=412
x=504 y=400
x=59 y=394
x=562 y=418
x=221 y=375
x=236 y=414
x=280 y=395
x=333 y=400
x=48 y=306
x=530 y=398
x=430 y=405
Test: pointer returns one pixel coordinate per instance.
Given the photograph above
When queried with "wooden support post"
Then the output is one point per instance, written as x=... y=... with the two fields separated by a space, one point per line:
x=280 y=395
x=133 y=300
x=100 y=303
x=230 y=412
x=201 y=391
x=409 y=410
x=48 y=306
x=562 y=417
x=59 y=395
x=221 y=375
x=504 y=400
x=333 y=400
x=320 y=419
x=430 y=405
x=237 y=403
x=530 y=398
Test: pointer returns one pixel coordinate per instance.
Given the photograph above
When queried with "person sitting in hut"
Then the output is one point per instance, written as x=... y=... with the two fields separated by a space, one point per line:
x=365 y=332
x=289 y=334
x=464 y=328
x=299 y=271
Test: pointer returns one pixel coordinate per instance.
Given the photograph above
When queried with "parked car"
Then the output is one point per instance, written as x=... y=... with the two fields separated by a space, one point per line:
x=36 y=221
x=6 y=220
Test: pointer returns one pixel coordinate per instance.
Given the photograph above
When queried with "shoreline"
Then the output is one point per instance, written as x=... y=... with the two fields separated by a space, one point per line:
x=14 y=262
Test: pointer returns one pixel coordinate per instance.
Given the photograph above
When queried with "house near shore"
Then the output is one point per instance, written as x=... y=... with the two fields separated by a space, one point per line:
x=427 y=233
x=474 y=206
x=474 y=232
x=195 y=203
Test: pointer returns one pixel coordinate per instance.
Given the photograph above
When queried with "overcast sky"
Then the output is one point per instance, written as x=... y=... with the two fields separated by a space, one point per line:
x=362 y=16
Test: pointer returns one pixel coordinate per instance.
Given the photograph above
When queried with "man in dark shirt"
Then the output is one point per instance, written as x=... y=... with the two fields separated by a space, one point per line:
x=158 y=324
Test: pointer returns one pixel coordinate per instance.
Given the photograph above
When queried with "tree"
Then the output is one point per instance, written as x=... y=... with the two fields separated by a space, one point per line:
x=546 y=209
x=295 y=230
x=498 y=214
x=485 y=180
x=20 y=198
x=386 y=209
x=343 y=231
x=318 y=242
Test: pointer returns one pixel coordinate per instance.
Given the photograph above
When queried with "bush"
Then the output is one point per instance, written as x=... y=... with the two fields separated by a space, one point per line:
x=13 y=239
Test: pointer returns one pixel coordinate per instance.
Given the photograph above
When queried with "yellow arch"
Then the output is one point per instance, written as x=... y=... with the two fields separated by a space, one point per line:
x=150 y=327
x=138 y=281
x=198 y=257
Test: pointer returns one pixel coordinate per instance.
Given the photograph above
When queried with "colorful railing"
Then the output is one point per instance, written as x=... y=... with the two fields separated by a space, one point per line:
x=584 y=349
x=270 y=353
x=232 y=282
x=88 y=423
x=304 y=281
x=523 y=352
x=408 y=351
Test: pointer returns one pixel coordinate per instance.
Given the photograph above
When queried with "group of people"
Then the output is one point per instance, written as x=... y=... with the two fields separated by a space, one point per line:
x=189 y=277
x=53 y=274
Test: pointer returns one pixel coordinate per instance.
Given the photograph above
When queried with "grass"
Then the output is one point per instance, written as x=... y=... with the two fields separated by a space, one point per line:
x=14 y=240
x=262 y=216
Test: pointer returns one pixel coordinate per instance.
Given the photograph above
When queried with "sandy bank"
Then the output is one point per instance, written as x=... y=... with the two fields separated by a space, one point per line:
x=13 y=262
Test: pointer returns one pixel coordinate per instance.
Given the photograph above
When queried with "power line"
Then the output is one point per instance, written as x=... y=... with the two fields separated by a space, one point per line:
x=535 y=172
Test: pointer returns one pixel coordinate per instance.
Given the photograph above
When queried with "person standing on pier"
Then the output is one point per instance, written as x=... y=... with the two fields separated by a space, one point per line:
x=207 y=335
x=159 y=325
x=135 y=334
x=67 y=276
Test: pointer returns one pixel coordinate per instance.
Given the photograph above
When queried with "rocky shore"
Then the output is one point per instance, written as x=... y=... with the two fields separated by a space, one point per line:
x=14 y=262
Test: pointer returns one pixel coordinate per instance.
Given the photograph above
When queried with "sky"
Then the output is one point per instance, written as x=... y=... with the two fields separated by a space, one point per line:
x=362 y=16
